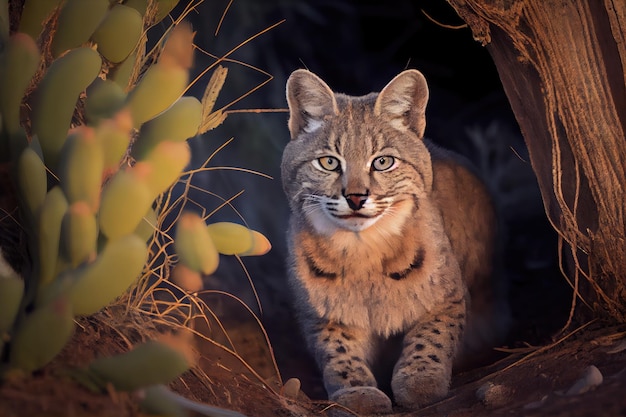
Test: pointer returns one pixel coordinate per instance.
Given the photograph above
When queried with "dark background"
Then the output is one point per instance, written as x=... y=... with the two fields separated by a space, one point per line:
x=357 y=47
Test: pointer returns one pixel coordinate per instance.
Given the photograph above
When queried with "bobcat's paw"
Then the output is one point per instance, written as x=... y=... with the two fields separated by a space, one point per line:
x=415 y=391
x=362 y=400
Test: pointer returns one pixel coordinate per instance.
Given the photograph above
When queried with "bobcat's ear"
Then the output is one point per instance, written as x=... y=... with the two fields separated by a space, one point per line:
x=310 y=101
x=404 y=100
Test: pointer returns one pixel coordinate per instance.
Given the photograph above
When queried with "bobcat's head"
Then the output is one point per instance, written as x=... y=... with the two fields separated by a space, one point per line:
x=353 y=161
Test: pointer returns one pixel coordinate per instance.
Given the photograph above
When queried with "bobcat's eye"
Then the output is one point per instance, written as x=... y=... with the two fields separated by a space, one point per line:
x=329 y=163
x=383 y=163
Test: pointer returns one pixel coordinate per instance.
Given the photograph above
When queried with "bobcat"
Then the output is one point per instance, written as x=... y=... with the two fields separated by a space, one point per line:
x=390 y=244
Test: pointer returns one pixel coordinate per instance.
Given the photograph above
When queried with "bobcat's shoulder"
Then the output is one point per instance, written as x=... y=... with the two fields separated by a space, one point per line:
x=388 y=235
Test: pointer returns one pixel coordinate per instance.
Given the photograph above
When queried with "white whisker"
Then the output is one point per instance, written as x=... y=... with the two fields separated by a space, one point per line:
x=312 y=203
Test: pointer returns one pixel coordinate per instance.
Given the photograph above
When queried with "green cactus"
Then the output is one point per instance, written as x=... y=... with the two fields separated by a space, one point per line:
x=156 y=402
x=80 y=168
x=161 y=401
x=186 y=278
x=41 y=335
x=148 y=364
x=114 y=138
x=34 y=15
x=79 y=233
x=122 y=73
x=149 y=222
x=230 y=238
x=159 y=87
x=260 y=245
x=17 y=67
x=164 y=82
x=11 y=291
x=177 y=123
x=91 y=235
x=98 y=284
x=235 y=239
x=58 y=91
x=32 y=180
x=51 y=215
x=119 y=32
x=77 y=21
x=104 y=99
x=140 y=5
x=125 y=200
x=194 y=245
x=4 y=22
x=165 y=163
x=164 y=7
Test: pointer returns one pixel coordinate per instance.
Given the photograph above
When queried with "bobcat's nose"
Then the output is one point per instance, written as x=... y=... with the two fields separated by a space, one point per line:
x=356 y=201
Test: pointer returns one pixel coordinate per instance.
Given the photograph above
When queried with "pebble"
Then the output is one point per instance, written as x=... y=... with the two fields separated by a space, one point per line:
x=591 y=378
x=493 y=395
x=291 y=388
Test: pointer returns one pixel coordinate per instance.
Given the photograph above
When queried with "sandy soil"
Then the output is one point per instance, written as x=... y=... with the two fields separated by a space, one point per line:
x=542 y=381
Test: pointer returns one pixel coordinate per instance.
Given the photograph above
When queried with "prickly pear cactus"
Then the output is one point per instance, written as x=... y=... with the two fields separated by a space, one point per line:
x=93 y=148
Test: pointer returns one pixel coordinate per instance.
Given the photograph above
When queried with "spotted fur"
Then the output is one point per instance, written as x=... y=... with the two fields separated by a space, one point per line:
x=388 y=238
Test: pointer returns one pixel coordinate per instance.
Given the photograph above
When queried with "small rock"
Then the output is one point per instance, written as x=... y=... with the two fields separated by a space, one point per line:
x=291 y=388
x=591 y=378
x=493 y=395
x=536 y=404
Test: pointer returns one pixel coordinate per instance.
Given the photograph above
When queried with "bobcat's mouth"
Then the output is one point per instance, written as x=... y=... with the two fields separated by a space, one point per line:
x=354 y=215
x=328 y=222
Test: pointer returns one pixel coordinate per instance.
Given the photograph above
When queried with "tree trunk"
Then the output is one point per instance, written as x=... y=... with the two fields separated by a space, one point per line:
x=562 y=64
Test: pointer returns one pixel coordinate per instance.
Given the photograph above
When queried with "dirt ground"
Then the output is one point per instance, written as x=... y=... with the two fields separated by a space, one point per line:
x=535 y=381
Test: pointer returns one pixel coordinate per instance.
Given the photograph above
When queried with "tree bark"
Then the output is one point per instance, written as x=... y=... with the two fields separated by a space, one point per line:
x=562 y=64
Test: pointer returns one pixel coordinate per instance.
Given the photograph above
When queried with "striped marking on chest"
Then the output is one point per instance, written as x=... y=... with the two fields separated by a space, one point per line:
x=318 y=272
x=417 y=263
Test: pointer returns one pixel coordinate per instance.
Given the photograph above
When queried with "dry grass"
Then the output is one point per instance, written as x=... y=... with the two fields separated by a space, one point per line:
x=155 y=304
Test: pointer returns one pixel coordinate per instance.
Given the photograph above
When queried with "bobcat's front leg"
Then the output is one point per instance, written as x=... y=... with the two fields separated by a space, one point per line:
x=423 y=372
x=343 y=354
